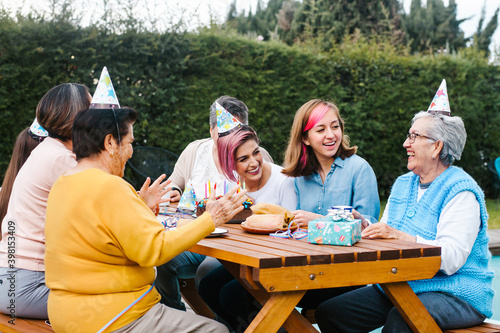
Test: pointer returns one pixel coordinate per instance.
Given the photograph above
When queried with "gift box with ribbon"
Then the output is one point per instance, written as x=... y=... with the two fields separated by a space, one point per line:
x=334 y=230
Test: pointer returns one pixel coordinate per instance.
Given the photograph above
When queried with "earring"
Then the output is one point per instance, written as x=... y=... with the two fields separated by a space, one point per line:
x=111 y=154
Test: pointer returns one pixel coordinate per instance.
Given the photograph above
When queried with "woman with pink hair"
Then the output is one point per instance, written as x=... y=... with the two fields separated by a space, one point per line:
x=328 y=172
x=241 y=159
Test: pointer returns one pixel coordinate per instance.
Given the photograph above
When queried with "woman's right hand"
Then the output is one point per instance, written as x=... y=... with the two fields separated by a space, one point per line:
x=226 y=207
x=302 y=217
x=175 y=195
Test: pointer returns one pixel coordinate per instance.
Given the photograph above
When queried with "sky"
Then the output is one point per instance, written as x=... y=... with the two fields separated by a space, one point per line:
x=204 y=10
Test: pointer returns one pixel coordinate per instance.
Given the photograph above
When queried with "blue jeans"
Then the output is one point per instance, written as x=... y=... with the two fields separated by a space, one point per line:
x=183 y=266
x=23 y=293
x=368 y=308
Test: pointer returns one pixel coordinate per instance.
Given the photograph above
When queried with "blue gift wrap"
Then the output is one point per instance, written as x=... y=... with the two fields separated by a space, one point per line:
x=329 y=231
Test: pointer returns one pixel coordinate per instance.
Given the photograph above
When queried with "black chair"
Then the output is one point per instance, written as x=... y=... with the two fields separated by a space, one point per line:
x=494 y=167
x=149 y=162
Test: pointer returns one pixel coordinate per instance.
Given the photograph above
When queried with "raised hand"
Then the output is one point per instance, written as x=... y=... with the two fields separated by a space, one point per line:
x=152 y=194
x=226 y=207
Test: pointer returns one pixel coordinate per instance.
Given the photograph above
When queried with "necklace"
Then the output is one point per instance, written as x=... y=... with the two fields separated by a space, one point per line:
x=260 y=181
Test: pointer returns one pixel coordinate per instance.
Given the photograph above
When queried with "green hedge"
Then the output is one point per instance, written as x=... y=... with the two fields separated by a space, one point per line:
x=171 y=79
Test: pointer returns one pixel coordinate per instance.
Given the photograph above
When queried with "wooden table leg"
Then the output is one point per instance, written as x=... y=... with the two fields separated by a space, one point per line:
x=410 y=307
x=294 y=323
x=191 y=296
x=275 y=311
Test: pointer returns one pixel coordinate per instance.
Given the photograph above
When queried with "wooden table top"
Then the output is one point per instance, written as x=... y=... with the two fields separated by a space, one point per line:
x=277 y=272
x=282 y=264
x=263 y=251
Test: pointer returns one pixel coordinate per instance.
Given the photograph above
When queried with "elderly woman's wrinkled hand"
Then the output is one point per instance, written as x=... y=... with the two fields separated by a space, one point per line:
x=152 y=195
x=383 y=230
x=226 y=207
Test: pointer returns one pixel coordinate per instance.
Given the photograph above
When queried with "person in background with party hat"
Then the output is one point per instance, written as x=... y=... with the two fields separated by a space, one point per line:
x=197 y=165
x=22 y=246
x=199 y=162
x=437 y=204
x=103 y=240
x=26 y=141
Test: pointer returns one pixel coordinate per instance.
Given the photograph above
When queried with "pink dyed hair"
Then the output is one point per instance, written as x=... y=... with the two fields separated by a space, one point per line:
x=315 y=116
x=227 y=146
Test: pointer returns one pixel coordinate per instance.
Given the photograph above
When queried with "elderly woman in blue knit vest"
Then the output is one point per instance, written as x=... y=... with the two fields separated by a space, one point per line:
x=439 y=204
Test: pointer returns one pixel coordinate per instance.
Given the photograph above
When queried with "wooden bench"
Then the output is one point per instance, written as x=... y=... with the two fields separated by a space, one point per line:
x=188 y=290
x=23 y=325
x=39 y=326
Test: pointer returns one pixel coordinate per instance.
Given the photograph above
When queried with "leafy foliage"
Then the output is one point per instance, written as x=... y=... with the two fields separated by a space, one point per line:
x=172 y=79
x=427 y=28
x=482 y=38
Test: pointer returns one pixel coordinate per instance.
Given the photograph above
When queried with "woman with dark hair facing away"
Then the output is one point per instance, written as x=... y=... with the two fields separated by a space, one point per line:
x=22 y=247
x=103 y=240
x=26 y=141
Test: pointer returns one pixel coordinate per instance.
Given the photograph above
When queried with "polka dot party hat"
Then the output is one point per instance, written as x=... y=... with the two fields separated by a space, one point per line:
x=440 y=104
x=226 y=122
x=37 y=130
x=104 y=95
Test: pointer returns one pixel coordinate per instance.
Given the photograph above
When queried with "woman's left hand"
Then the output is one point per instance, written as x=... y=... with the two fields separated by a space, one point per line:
x=152 y=195
x=357 y=215
x=382 y=230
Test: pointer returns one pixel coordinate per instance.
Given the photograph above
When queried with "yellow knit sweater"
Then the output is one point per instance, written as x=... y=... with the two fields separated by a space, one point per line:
x=102 y=244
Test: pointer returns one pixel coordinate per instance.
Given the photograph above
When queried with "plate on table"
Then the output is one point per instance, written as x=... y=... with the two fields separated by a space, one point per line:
x=218 y=232
x=265 y=231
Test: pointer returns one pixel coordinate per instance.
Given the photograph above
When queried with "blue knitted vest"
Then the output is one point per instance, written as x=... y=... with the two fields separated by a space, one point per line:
x=472 y=282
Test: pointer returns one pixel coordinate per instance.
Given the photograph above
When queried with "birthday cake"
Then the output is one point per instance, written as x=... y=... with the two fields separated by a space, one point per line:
x=240 y=217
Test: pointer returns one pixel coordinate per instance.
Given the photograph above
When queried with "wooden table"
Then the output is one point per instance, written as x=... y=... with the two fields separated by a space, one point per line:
x=278 y=272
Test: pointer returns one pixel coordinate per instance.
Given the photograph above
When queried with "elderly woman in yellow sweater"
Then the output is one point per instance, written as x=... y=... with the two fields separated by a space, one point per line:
x=103 y=241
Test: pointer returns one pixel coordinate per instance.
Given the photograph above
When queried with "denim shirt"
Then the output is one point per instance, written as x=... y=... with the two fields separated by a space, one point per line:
x=350 y=182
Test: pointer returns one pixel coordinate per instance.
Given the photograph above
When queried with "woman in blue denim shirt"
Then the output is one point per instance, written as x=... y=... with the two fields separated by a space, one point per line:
x=328 y=172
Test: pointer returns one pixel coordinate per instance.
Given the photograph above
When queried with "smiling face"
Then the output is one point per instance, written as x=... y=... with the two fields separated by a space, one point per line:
x=248 y=161
x=325 y=137
x=123 y=154
x=422 y=153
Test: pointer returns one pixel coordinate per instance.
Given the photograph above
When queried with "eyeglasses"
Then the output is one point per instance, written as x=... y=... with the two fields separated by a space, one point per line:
x=413 y=136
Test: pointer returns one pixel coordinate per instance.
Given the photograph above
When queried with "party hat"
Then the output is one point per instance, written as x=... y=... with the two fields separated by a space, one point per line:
x=226 y=122
x=104 y=95
x=188 y=199
x=440 y=104
x=37 y=130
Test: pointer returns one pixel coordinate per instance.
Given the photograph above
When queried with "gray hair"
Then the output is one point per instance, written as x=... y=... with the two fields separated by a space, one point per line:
x=234 y=106
x=450 y=130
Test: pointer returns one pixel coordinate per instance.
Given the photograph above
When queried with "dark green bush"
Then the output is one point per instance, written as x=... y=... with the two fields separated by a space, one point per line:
x=171 y=79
